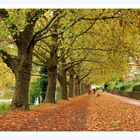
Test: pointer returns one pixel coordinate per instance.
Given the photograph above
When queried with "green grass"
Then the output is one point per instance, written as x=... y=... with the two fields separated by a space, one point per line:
x=4 y=107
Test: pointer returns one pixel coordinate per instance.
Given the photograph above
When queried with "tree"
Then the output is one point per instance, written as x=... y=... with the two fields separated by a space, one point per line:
x=66 y=34
x=50 y=60
x=62 y=39
x=25 y=40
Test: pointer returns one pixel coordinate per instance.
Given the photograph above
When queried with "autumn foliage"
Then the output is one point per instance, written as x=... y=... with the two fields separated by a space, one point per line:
x=83 y=113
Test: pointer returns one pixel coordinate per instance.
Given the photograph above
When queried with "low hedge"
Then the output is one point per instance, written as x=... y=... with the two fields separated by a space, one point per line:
x=136 y=87
x=131 y=94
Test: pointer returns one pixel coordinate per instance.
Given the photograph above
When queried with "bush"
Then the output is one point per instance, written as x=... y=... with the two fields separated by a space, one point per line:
x=136 y=87
x=128 y=89
x=4 y=107
x=43 y=81
x=124 y=86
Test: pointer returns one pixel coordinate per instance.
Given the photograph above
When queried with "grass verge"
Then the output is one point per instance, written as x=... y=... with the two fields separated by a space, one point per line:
x=4 y=107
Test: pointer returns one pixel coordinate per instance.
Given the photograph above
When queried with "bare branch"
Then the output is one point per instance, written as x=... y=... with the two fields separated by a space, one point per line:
x=85 y=75
x=38 y=64
x=9 y=60
x=91 y=49
x=39 y=56
x=71 y=64
x=46 y=28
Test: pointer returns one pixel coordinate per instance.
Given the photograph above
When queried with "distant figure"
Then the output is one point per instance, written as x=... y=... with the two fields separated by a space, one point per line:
x=94 y=90
x=89 y=91
x=105 y=87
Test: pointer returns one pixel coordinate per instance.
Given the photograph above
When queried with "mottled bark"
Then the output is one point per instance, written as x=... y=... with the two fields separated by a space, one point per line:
x=76 y=85
x=52 y=76
x=22 y=74
x=82 y=88
x=71 y=86
x=79 y=87
x=63 y=84
x=50 y=94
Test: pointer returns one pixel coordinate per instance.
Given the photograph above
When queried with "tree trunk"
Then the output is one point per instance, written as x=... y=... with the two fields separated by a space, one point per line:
x=22 y=75
x=63 y=84
x=76 y=85
x=83 y=88
x=43 y=82
x=79 y=87
x=52 y=66
x=71 y=86
x=51 y=88
x=76 y=89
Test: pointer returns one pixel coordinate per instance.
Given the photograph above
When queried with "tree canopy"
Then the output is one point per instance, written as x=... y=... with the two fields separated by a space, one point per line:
x=81 y=45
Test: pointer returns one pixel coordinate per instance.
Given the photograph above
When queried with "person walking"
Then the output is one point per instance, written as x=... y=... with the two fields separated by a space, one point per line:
x=89 y=91
x=94 y=90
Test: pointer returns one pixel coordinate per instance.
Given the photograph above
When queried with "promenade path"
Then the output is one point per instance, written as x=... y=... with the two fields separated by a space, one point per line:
x=84 y=113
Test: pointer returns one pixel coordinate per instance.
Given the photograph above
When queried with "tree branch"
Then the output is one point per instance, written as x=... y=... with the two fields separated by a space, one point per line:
x=39 y=56
x=45 y=28
x=85 y=75
x=31 y=19
x=38 y=64
x=101 y=18
x=9 y=60
x=71 y=64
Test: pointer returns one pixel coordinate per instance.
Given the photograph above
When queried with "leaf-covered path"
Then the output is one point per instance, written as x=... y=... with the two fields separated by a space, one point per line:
x=84 y=113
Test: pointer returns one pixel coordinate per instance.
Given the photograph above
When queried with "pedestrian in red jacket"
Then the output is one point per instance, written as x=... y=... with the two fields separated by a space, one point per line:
x=89 y=91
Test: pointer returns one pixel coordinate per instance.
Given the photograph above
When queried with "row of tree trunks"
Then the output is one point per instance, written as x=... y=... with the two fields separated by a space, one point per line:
x=76 y=86
x=24 y=40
